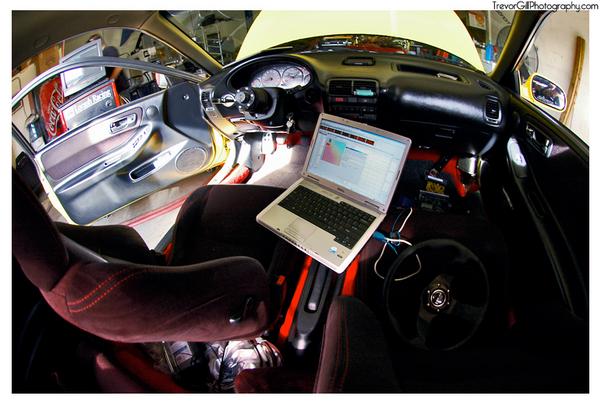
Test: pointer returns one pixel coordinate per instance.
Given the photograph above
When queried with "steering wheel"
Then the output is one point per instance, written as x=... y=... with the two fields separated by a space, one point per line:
x=441 y=306
x=261 y=104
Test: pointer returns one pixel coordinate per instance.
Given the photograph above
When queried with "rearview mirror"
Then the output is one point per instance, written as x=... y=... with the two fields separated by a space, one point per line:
x=546 y=92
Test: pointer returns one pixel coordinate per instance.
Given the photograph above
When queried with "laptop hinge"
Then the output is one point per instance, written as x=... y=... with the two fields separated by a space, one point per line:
x=371 y=204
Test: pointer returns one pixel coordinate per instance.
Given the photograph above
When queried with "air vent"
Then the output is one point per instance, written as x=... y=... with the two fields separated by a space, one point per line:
x=361 y=88
x=340 y=87
x=492 y=111
x=484 y=85
x=427 y=71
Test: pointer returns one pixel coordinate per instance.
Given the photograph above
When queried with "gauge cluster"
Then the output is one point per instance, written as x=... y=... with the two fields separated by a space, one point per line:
x=282 y=75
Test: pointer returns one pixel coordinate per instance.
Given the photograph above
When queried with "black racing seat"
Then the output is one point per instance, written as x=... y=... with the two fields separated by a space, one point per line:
x=354 y=358
x=215 y=287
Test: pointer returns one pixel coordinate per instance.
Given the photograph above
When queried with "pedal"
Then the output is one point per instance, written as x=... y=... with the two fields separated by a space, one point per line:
x=268 y=144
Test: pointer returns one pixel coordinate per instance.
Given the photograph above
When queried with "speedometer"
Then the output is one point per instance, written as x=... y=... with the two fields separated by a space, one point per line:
x=270 y=78
x=291 y=78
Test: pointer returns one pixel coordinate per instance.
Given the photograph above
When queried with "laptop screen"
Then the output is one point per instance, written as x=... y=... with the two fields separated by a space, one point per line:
x=361 y=161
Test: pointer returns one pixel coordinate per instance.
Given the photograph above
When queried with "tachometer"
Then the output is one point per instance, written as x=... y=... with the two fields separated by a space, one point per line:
x=307 y=77
x=291 y=78
x=270 y=78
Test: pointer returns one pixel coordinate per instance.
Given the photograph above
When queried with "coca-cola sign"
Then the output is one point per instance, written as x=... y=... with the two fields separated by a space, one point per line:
x=51 y=99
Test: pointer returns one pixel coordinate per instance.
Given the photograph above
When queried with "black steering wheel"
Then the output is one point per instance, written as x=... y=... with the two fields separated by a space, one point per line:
x=443 y=304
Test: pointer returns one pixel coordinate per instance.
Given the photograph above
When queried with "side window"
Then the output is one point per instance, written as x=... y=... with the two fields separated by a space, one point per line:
x=560 y=54
x=220 y=33
x=65 y=102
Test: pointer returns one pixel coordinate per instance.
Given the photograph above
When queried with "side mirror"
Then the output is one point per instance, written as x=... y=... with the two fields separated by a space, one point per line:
x=546 y=92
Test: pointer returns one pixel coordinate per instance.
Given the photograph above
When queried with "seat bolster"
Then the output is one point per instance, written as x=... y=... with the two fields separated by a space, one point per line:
x=35 y=241
x=220 y=221
x=354 y=355
x=116 y=241
x=133 y=303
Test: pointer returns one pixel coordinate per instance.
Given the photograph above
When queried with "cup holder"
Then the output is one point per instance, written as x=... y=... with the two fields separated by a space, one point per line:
x=442 y=306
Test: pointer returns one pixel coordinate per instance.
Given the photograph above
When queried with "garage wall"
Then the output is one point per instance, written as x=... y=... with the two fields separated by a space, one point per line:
x=556 y=51
x=499 y=19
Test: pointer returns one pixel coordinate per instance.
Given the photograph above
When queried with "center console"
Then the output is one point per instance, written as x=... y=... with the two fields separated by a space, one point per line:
x=353 y=98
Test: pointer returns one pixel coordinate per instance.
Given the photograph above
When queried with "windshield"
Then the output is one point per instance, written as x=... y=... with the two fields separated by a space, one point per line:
x=374 y=44
x=468 y=38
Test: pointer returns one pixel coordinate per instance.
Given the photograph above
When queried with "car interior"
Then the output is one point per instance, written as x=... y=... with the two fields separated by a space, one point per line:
x=480 y=283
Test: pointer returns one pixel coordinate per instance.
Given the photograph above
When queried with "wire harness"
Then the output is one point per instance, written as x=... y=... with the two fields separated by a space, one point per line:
x=394 y=241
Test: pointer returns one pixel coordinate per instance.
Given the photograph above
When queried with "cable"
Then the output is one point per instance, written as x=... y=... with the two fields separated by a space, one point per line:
x=396 y=220
x=381 y=255
x=377 y=261
x=398 y=241
x=413 y=274
x=399 y=231
x=395 y=242
x=393 y=248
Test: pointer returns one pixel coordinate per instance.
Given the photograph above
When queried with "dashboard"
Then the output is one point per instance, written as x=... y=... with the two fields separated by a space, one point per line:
x=435 y=104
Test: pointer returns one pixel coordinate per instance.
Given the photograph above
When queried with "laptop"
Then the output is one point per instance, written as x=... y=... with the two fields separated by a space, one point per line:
x=347 y=184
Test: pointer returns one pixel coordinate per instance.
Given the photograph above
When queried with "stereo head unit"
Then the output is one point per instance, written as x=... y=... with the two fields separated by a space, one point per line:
x=353 y=98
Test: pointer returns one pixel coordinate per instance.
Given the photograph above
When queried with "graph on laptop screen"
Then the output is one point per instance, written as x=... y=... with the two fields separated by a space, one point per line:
x=361 y=161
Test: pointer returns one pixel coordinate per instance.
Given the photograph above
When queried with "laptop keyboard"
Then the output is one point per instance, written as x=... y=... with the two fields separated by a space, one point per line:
x=347 y=223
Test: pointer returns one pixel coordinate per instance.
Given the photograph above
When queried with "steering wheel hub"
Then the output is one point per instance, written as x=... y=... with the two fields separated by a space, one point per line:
x=438 y=299
x=253 y=100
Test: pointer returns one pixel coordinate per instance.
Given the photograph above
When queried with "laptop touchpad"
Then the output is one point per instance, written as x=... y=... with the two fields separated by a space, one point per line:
x=300 y=229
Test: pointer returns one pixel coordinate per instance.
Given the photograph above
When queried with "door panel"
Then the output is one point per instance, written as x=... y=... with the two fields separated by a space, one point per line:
x=125 y=155
x=550 y=168
x=89 y=143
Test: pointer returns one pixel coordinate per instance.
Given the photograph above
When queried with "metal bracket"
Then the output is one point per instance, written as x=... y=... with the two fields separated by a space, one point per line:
x=268 y=143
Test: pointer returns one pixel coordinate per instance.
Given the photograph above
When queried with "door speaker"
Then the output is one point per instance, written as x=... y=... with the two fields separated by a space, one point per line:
x=191 y=159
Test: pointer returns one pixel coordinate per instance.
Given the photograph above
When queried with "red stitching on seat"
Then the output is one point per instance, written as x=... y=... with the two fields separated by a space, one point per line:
x=99 y=286
x=100 y=298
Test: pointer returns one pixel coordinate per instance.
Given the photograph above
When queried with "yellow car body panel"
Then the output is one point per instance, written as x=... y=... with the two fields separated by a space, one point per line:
x=442 y=29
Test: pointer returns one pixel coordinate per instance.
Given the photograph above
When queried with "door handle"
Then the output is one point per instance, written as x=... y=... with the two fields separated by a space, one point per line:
x=122 y=123
x=541 y=142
